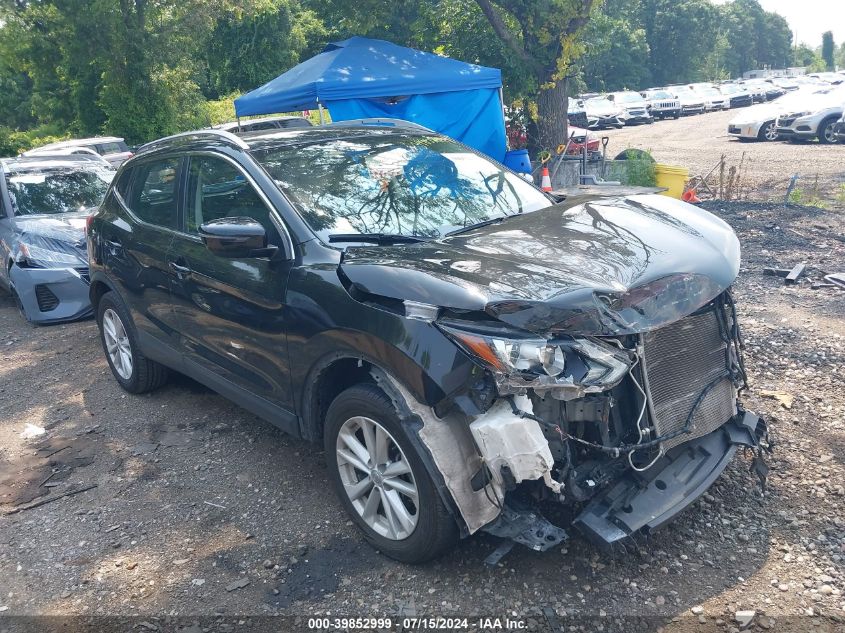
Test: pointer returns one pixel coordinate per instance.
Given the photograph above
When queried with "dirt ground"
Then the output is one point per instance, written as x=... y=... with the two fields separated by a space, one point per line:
x=699 y=141
x=204 y=517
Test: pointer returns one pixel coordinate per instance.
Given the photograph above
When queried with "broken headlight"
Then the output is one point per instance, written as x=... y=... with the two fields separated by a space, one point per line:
x=582 y=361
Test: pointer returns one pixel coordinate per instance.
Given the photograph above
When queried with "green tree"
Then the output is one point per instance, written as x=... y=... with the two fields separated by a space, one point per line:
x=616 y=56
x=679 y=35
x=828 y=48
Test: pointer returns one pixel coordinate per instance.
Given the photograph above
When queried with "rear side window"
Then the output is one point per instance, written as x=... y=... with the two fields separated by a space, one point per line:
x=121 y=184
x=154 y=193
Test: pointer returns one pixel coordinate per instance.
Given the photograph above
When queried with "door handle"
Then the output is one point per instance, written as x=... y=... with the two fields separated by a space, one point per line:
x=179 y=270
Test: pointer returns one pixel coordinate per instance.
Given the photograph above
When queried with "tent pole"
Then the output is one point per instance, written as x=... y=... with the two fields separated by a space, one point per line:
x=322 y=118
x=502 y=103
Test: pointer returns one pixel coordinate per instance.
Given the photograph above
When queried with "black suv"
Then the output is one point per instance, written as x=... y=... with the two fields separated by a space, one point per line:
x=466 y=348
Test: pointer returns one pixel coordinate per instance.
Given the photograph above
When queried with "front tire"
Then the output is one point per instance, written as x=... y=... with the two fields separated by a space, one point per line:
x=132 y=370
x=380 y=479
x=826 y=135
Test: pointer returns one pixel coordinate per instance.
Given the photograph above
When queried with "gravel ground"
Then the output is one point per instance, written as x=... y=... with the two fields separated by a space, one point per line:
x=200 y=509
x=698 y=142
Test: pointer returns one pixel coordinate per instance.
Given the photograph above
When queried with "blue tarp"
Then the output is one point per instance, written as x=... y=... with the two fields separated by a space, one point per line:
x=360 y=77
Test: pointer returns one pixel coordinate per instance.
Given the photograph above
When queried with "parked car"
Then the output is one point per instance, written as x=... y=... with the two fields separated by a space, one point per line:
x=603 y=113
x=691 y=103
x=461 y=347
x=265 y=123
x=713 y=99
x=815 y=119
x=44 y=202
x=79 y=152
x=112 y=148
x=661 y=104
x=739 y=96
x=633 y=106
x=582 y=138
x=759 y=122
x=576 y=114
x=784 y=83
x=762 y=91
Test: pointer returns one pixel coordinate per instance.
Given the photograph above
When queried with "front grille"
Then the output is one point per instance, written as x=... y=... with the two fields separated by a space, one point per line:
x=786 y=121
x=681 y=361
x=84 y=273
x=46 y=299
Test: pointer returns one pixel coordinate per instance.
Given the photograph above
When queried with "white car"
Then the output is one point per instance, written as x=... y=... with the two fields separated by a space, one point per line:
x=691 y=103
x=816 y=119
x=662 y=104
x=264 y=123
x=759 y=122
x=602 y=113
x=713 y=99
x=634 y=107
x=111 y=148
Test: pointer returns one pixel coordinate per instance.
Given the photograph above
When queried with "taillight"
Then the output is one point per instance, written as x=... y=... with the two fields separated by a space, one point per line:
x=88 y=222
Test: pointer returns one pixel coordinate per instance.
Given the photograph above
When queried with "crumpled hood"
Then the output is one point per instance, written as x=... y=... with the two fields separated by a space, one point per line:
x=594 y=266
x=61 y=234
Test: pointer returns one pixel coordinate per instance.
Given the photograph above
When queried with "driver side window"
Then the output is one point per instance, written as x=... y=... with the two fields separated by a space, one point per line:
x=217 y=189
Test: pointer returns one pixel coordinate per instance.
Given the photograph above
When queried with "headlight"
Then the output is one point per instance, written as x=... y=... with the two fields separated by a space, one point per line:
x=582 y=361
x=40 y=257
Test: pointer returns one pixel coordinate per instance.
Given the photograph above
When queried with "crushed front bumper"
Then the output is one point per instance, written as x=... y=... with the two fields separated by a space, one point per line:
x=52 y=295
x=642 y=502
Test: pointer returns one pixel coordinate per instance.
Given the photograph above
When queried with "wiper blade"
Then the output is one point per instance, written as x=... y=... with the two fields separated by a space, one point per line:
x=477 y=225
x=376 y=238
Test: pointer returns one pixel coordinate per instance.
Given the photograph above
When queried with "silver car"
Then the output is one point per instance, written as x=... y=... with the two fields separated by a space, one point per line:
x=44 y=204
x=112 y=148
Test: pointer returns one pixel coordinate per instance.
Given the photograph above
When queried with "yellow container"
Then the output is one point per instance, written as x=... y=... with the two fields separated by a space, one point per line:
x=671 y=177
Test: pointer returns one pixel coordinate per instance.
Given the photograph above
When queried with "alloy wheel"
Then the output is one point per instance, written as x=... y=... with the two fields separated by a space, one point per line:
x=377 y=478
x=829 y=134
x=118 y=346
x=771 y=131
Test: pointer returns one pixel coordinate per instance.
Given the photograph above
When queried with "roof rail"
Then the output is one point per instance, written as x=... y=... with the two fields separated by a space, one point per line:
x=382 y=122
x=221 y=135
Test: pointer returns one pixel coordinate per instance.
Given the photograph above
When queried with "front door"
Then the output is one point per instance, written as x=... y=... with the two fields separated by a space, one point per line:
x=229 y=312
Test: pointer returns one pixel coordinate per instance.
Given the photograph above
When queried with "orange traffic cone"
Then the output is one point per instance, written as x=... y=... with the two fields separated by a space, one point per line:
x=545 y=180
x=690 y=196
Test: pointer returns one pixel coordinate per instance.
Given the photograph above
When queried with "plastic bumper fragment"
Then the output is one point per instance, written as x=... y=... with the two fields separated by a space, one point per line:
x=644 y=502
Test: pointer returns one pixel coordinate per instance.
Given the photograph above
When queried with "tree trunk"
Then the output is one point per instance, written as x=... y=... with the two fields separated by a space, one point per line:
x=552 y=123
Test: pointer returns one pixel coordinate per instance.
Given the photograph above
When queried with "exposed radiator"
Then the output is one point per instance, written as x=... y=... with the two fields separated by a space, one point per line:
x=681 y=360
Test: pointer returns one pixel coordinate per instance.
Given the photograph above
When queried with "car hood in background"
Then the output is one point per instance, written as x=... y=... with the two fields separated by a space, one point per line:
x=595 y=266
x=61 y=234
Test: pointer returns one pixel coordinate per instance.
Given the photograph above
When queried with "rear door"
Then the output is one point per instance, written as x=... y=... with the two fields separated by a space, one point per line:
x=230 y=312
x=140 y=219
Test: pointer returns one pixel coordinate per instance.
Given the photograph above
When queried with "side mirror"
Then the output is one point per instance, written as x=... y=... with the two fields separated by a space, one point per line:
x=236 y=237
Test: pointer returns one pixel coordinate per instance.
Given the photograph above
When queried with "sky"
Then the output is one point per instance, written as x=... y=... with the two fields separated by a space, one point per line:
x=810 y=18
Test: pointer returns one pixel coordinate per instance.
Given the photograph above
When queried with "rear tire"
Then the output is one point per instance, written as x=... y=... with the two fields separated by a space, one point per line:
x=418 y=530
x=132 y=370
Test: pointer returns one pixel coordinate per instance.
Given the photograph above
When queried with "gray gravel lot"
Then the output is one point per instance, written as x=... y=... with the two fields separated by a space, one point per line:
x=202 y=509
x=699 y=141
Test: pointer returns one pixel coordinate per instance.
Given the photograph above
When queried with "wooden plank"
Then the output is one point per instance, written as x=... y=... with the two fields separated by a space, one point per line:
x=794 y=274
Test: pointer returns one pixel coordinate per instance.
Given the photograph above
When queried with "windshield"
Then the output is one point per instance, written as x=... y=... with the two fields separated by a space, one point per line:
x=423 y=186
x=628 y=97
x=661 y=94
x=50 y=191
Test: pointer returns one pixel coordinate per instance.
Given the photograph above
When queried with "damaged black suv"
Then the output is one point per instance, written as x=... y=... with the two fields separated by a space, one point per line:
x=467 y=349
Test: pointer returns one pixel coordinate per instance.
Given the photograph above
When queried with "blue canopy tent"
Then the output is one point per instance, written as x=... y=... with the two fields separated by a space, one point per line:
x=361 y=78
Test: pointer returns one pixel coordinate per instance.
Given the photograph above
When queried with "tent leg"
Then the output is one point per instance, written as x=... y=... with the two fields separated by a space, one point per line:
x=322 y=117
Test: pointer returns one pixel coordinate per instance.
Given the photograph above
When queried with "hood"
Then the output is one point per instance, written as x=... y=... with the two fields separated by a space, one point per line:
x=593 y=266
x=54 y=239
